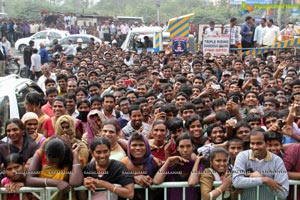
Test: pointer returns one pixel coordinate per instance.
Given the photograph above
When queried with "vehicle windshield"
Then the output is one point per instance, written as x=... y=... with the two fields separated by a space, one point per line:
x=4 y=110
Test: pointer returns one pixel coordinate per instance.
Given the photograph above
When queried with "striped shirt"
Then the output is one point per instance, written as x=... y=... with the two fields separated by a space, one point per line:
x=233 y=33
x=271 y=166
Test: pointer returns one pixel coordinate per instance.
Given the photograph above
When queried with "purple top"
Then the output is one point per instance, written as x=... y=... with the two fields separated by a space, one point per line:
x=184 y=171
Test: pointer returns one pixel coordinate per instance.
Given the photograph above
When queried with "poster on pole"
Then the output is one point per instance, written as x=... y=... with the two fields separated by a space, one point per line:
x=217 y=45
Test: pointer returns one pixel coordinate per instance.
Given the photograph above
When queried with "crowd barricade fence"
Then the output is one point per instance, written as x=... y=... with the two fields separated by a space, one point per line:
x=48 y=193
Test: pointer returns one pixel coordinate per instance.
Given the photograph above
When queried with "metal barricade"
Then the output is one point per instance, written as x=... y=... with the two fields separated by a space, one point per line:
x=39 y=193
x=49 y=193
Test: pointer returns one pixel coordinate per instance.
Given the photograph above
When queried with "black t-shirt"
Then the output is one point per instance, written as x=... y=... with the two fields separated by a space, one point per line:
x=27 y=55
x=116 y=173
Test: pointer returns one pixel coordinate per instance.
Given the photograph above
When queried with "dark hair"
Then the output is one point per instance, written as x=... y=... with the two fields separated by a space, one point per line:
x=271 y=113
x=49 y=80
x=113 y=122
x=13 y=158
x=188 y=90
x=216 y=151
x=182 y=94
x=210 y=128
x=274 y=136
x=169 y=107
x=35 y=98
x=81 y=89
x=51 y=90
x=222 y=115
x=61 y=76
x=95 y=84
x=136 y=137
x=273 y=101
x=252 y=117
x=232 y=140
x=96 y=98
x=16 y=121
x=257 y=131
x=82 y=80
x=233 y=19
x=159 y=121
x=174 y=124
x=57 y=148
x=187 y=106
x=122 y=99
x=108 y=95
x=218 y=102
x=81 y=101
x=62 y=99
x=34 y=50
x=133 y=108
x=184 y=136
x=190 y=120
x=141 y=100
x=70 y=96
x=98 y=141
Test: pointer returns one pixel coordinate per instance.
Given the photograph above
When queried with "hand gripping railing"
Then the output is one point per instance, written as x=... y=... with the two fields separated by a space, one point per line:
x=49 y=193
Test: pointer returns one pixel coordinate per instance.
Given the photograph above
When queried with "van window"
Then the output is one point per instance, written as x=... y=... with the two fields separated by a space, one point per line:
x=20 y=96
x=5 y=115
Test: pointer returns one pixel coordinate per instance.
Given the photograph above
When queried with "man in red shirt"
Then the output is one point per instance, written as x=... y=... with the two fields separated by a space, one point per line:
x=51 y=94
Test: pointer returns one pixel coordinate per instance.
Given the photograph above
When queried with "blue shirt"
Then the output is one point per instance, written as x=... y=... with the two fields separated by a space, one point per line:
x=245 y=33
x=44 y=55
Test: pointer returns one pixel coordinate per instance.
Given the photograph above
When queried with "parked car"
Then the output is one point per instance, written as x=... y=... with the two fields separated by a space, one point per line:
x=85 y=40
x=13 y=91
x=45 y=36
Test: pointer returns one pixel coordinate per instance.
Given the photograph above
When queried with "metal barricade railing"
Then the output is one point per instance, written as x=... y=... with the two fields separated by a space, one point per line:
x=49 y=193
x=39 y=193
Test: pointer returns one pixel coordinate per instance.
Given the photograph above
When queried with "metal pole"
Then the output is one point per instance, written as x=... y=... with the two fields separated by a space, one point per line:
x=157 y=3
x=158 y=15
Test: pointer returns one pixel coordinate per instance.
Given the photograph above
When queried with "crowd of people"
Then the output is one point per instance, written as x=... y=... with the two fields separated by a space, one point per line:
x=114 y=117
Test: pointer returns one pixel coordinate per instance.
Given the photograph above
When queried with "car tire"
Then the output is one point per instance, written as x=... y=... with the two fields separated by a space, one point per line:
x=21 y=48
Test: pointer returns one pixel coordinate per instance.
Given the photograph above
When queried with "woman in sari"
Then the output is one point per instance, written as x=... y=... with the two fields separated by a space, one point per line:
x=33 y=103
x=141 y=163
x=178 y=168
x=93 y=127
x=53 y=161
x=65 y=127
x=30 y=120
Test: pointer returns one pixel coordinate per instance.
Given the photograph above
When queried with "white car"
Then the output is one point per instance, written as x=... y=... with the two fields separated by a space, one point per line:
x=13 y=91
x=45 y=36
x=85 y=40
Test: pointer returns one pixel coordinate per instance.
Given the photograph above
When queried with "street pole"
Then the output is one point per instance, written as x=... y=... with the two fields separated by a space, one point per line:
x=2 y=6
x=157 y=2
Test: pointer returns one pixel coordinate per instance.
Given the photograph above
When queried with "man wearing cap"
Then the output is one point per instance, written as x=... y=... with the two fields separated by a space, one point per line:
x=70 y=50
x=225 y=76
x=79 y=45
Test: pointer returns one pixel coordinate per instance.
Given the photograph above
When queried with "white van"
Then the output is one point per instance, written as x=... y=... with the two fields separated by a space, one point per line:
x=4 y=15
x=136 y=36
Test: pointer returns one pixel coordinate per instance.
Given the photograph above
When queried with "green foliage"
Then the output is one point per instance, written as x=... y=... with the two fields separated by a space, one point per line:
x=203 y=9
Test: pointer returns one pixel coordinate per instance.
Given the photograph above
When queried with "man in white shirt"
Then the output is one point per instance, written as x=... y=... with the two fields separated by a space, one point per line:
x=36 y=64
x=270 y=34
x=70 y=49
x=258 y=32
x=211 y=30
x=46 y=74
